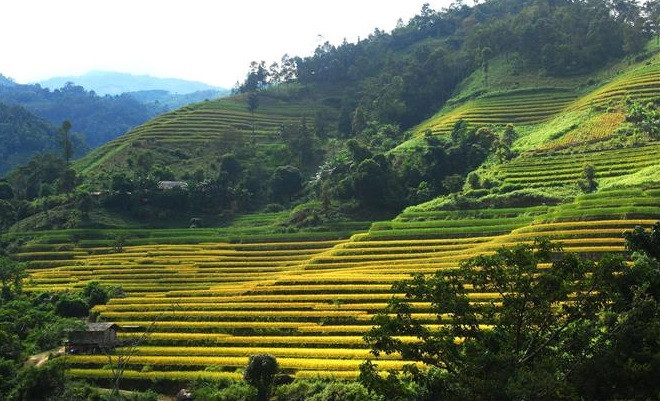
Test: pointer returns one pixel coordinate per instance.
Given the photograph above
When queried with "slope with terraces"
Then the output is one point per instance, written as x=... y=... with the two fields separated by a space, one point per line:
x=196 y=135
x=527 y=106
x=209 y=298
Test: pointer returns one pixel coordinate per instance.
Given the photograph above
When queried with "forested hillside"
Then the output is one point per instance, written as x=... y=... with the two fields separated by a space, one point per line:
x=22 y=135
x=99 y=119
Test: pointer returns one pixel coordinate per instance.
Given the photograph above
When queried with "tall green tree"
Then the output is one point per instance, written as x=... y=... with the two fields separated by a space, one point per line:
x=260 y=373
x=65 y=141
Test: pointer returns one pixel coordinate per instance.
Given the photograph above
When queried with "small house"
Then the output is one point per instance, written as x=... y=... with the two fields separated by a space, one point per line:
x=93 y=338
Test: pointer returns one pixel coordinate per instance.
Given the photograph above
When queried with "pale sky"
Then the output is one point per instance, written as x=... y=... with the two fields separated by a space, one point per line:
x=201 y=40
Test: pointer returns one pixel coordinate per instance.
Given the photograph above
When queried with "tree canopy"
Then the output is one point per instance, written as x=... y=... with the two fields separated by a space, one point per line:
x=556 y=326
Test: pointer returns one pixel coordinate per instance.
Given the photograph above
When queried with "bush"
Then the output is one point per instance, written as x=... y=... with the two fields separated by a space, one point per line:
x=95 y=293
x=46 y=382
x=300 y=390
x=345 y=392
x=235 y=392
x=71 y=306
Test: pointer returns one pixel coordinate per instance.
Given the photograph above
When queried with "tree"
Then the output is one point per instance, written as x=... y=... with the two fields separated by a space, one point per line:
x=230 y=167
x=85 y=203
x=588 y=182
x=252 y=106
x=260 y=373
x=95 y=293
x=453 y=183
x=6 y=191
x=486 y=54
x=542 y=323
x=12 y=274
x=71 y=305
x=43 y=383
x=65 y=141
x=645 y=118
x=639 y=240
x=299 y=140
x=67 y=181
x=285 y=182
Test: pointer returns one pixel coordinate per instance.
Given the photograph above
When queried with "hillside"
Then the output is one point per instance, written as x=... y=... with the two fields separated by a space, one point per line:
x=99 y=119
x=116 y=83
x=225 y=123
x=306 y=196
x=308 y=297
x=22 y=134
x=167 y=101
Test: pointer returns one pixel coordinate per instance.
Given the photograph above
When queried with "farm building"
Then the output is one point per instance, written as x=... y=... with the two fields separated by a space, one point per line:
x=94 y=337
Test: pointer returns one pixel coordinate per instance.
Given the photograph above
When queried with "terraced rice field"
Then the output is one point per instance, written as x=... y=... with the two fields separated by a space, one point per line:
x=225 y=123
x=597 y=128
x=523 y=107
x=531 y=106
x=566 y=169
x=307 y=301
x=212 y=297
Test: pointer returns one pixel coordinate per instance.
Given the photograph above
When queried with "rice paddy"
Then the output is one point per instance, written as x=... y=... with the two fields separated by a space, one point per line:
x=209 y=298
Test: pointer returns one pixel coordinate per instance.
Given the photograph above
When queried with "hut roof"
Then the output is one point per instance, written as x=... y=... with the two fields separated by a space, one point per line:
x=101 y=326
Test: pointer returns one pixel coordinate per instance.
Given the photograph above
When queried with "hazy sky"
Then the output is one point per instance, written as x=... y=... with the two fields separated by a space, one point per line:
x=203 y=40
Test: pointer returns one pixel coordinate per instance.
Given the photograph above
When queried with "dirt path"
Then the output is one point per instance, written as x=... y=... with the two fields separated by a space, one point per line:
x=41 y=358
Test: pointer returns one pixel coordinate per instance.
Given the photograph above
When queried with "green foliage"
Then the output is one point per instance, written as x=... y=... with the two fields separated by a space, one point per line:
x=300 y=142
x=641 y=241
x=12 y=274
x=39 y=176
x=95 y=293
x=299 y=390
x=285 y=183
x=539 y=345
x=645 y=118
x=44 y=383
x=235 y=392
x=70 y=305
x=99 y=118
x=588 y=182
x=260 y=373
x=343 y=391
x=22 y=134
x=65 y=141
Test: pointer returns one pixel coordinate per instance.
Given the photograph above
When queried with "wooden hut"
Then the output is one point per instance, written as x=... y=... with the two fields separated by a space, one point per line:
x=95 y=337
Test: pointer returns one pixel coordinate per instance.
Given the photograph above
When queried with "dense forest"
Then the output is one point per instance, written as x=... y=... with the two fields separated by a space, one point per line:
x=99 y=119
x=22 y=135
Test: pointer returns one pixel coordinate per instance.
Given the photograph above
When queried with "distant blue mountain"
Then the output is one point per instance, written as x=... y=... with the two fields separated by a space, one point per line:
x=115 y=83
x=5 y=81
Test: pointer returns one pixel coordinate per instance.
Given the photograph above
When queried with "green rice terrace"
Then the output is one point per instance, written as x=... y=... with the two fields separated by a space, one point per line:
x=534 y=105
x=222 y=126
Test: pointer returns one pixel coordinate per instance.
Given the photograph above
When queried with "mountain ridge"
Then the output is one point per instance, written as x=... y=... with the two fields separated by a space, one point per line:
x=116 y=83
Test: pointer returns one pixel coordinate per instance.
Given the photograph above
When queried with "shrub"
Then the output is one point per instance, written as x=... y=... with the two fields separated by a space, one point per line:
x=71 y=306
x=345 y=392
x=235 y=392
